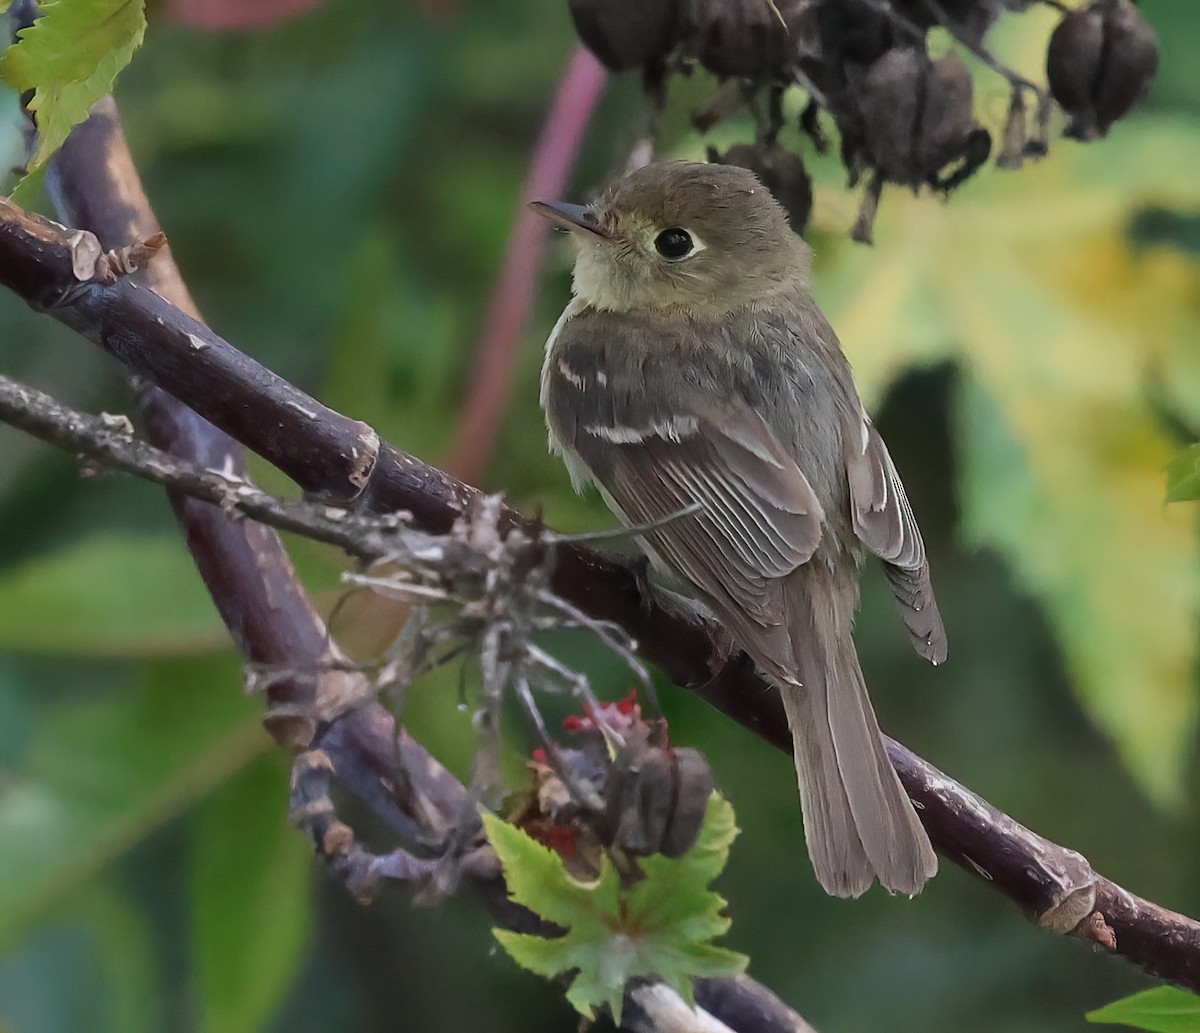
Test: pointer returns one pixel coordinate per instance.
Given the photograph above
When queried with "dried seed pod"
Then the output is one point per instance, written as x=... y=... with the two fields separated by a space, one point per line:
x=836 y=41
x=639 y=793
x=627 y=33
x=1100 y=62
x=693 y=787
x=782 y=172
x=833 y=35
x=752 y=39
x=919 y=117
x=847 y=31
x=655 y=798
x=1073 y=58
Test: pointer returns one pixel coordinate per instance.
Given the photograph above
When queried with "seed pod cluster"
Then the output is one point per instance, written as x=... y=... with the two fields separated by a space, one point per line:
x=650 y=798
x=1100 y=62
x=655 y=799
x=903 y=115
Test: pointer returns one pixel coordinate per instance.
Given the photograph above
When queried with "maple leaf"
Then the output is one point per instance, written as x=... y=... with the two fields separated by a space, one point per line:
x=660 y=928
x=70 y=57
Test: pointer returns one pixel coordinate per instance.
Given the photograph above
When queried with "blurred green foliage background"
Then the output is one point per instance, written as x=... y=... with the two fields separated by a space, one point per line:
x=338 y=192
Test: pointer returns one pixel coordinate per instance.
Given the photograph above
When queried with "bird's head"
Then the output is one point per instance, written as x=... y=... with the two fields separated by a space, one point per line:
x=682 y=235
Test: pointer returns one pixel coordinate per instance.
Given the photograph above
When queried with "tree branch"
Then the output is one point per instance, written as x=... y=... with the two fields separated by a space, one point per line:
x=109 y=440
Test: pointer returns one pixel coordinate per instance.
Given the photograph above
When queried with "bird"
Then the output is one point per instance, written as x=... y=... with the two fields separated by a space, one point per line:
x=694 y=381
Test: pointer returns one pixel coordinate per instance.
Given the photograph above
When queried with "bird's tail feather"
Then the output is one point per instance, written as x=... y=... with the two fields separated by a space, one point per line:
x=859 y=823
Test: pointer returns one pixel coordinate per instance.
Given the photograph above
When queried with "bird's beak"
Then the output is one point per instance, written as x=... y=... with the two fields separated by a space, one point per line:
x=568 y=216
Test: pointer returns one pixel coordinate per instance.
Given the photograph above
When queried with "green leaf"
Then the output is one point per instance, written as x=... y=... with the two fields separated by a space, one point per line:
x=70 y=57
x=110 y=596
x=1183 y=476
x=251 y=913
x=1164 y=1009
x=660 y=928
x=103 y=774
x=1061 y=329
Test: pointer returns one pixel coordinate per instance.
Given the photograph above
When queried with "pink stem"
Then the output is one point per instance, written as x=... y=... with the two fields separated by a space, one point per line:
x=512 y=297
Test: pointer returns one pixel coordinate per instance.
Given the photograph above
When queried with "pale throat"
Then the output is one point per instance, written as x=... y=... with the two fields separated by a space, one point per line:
x=594 y=285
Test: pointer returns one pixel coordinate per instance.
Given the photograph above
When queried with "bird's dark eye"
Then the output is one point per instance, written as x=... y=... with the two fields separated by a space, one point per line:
x=673 y=243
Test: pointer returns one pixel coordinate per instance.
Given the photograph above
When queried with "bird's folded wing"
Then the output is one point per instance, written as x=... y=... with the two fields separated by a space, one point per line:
x=758 y=518
x=884 y=522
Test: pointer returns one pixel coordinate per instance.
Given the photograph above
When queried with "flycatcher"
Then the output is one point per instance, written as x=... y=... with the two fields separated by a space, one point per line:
x=694 y=369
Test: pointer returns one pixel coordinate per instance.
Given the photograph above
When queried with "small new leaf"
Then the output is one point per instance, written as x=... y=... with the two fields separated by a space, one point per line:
x=70 y=58
x=661 y=928
x=1183 y=476
x=1165 y=1009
